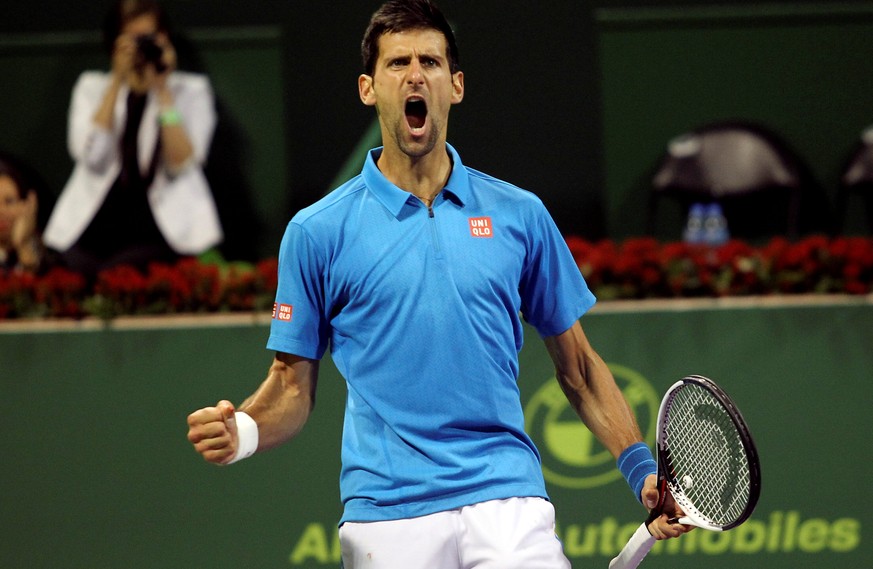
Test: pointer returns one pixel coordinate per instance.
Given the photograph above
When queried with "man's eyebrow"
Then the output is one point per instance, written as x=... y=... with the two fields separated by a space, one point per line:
x=406 y=57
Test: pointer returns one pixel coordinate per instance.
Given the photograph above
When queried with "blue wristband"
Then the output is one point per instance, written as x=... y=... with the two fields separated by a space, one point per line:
x=636 y=463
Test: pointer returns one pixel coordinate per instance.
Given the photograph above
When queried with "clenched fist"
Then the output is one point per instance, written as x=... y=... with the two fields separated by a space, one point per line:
x=213 y=432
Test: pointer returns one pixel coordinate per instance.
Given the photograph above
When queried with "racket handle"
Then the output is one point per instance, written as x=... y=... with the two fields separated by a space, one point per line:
x=635 y=550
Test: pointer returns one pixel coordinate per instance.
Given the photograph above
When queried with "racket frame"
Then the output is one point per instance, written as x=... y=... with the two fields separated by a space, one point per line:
x=692 y=516
x=641 y=542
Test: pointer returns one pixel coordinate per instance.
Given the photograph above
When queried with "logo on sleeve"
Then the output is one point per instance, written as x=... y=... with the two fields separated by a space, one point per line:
x=282 y=311
x=481 y=227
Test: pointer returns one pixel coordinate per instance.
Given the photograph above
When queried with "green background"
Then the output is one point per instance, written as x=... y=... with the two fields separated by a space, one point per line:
x=96 y=470
x=801 y=70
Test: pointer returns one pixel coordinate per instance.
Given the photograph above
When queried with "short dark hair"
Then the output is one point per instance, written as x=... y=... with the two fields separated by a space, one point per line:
x=10 y=167
x=402 y=15
x=123 y=11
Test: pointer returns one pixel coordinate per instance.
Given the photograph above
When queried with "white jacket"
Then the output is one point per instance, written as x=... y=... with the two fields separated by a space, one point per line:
x=181 y=201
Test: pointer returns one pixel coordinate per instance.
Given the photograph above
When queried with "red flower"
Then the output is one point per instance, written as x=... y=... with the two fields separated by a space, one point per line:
x=635 y=268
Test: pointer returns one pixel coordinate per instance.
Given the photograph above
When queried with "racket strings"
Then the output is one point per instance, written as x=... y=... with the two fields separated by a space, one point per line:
x=707 y=459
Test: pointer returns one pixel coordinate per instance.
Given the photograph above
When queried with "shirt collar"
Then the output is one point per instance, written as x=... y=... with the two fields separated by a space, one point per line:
x=457 y=188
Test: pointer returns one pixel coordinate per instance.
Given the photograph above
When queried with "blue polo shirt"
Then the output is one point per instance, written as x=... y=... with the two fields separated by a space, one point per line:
x=421 y=308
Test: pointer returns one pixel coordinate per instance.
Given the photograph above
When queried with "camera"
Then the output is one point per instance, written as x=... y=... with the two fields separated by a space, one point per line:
x=149 y=52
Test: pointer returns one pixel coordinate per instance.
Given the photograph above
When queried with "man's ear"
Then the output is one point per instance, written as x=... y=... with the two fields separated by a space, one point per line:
x=366 y=91
x=457 y=87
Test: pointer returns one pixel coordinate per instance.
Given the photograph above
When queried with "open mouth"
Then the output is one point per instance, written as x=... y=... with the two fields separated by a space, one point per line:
x=416 y=113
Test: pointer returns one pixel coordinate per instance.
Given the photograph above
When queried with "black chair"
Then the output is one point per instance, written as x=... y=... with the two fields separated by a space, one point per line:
x=763 y=187
x=857 y=180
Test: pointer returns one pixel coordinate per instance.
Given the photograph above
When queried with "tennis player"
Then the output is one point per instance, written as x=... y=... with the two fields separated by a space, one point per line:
x=415 y=274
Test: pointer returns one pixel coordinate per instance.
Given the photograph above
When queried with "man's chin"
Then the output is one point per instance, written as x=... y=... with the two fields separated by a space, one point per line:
x=418 y=148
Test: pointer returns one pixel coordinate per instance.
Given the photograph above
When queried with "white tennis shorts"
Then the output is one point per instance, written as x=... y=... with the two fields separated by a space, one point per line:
x=518 y=533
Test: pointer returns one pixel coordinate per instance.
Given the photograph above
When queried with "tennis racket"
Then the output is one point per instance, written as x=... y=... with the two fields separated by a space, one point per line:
x=706 y=458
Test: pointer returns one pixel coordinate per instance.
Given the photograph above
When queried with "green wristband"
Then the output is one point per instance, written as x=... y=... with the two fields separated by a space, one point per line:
x=170 y=117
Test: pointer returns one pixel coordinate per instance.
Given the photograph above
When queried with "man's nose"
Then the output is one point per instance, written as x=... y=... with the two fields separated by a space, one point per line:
x=415 y=76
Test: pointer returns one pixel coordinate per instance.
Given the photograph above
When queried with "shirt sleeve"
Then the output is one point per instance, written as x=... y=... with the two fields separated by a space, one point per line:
x=86 y=142
x=195 y=101
x=554 y=293
x=299 y=325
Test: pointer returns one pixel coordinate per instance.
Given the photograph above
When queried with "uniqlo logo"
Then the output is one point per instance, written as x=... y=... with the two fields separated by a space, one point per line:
x=282 y=311
x=481 y=227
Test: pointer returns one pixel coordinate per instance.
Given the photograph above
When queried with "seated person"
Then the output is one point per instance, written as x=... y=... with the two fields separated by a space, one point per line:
x=20 y=245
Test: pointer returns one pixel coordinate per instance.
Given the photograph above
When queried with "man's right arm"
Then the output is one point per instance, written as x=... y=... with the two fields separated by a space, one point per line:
x=280 y=407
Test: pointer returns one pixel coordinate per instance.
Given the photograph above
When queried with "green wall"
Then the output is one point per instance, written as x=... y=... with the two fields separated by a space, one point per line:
x=96 y=471
x=801 y=70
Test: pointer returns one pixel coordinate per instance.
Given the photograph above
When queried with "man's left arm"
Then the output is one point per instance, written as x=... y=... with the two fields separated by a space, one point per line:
x=591 y=389
x=588 y=384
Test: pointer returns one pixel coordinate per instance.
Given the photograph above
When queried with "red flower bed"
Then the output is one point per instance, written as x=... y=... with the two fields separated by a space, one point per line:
x=645 y=268
x=189 y=286
x=58 y=293
x=633 y=269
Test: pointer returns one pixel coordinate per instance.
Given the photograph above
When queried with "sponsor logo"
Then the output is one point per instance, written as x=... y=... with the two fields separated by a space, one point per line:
x=282 y=311
x=481 y=227
x=774 y=535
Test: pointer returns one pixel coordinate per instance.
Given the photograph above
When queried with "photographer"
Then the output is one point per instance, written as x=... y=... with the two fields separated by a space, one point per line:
x=139 y=136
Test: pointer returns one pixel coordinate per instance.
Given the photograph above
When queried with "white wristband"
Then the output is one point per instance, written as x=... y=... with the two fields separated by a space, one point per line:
x=247 y=430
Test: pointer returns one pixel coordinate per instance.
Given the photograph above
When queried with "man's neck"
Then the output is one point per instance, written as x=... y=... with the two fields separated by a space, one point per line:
x=423 y=176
